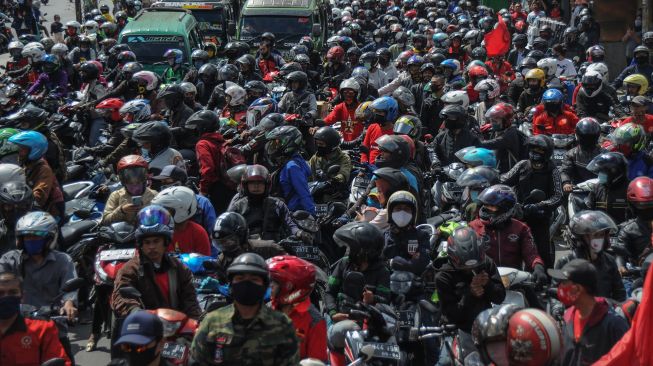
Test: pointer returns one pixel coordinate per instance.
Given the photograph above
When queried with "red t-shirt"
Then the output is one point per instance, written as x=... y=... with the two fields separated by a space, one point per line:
x=31 y=342
x=579 y=325
x=349 y=127
x=648 y=123
x=373 y=133
x=163 y=282
x=191 y=239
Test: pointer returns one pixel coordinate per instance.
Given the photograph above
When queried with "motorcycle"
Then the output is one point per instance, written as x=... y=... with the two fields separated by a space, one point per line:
x=360 y=182
x=561 y=144
x=445 y=192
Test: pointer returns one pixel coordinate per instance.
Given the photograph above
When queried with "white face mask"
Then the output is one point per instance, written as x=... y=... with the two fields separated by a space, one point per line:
x=596 y=245
x=402 y=218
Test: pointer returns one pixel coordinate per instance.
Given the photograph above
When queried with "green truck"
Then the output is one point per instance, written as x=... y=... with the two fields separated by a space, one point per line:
x=155 y=30
x=289 y=20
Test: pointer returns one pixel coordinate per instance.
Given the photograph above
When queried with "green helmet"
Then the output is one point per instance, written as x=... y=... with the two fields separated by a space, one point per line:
x=8 y=151
x=629 y=138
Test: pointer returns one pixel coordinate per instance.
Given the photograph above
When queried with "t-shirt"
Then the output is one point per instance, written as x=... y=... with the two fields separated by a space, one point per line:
x=373 y=132
x=191 y=239
x=163 y=282
x=566 y=68
x=579 y=325
x=56 y=27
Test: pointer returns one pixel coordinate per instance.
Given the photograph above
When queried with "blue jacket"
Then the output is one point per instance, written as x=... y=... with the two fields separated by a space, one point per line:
x=639 y=165
x=293 y=179
x=206 y=217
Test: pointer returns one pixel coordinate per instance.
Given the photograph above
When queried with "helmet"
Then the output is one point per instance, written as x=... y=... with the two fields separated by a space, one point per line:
x=8 y=151
x=537 y=330
x=125 y=57
x=200 y=55
x=638 y=80
x=589 y=223
x=104 y=8
x=629 y=138
x=490 y=331
x=155 y=132
x=29 y=117
x=40 y=224
x=479 y=53
x=236 y=95
x=369 y=57
x=588 y=131
x=295 y=277
x=463 y=249
x=179 y=201
x=404 y=96
x=397 y=147
x=130 y=68
x=270 y=122
x=260 y=108
x=110 y=108
x=58 y=49
x=364 y=112
x=244 y=60
x=146 y=80
x=408 y=125
x=592 y=83
x=395 y=179
x=15 y=199
x=132 y=169
x=503 y=198
x=335 y=53
x=500 y=115
x=89 y=71
x=613 y=164
x=109 y=28
x=203 y=121
x=34 y=141
x=50 y=63
x=74 y=24
x=137 y=110
x=350 y=84
x=451 y=64
x=536 y=74
x=478 y=177
x=255 y=173
x=360 y=73
x=249 y=263
x=458 y=97
x=233 y=50
x=12 y=173
x=552 y=96
x=549 y=65
x=477 y=72
x=269 y=37
x=329 y=136
x=542 y=144
x=302 y=59
x=477 y=156
x=121 y=15
x=15 y=49
x=601 y=68
x=47 y=43
x=91 y=27
x=154 y=220
x=256 y=88
x=440 y=40
x=640 y=193
x=283 y=141
x=489 y=87
x=208 y=73
x=177 y=54
x=286 y=69
x=230 y=231
x=172 y=95
x=297 y=76
x=402 y=198
x=454 y=115
x=363 y=240
x=385 y=107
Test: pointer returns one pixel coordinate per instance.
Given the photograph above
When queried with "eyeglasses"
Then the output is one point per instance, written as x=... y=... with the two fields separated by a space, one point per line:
x=133 y=348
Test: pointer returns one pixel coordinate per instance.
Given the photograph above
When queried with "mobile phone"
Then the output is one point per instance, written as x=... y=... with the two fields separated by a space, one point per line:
x=137 y=200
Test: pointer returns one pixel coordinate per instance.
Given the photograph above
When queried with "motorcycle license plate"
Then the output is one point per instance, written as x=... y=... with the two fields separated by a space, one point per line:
x=559 y=155
x=307 y=252
x=321 y=209
x=117 y=254
x=174 y=351
x=386 y=351
x=406 y=318
x=361 y=182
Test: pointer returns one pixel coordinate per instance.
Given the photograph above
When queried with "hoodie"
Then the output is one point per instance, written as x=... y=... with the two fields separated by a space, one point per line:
x=209 y=158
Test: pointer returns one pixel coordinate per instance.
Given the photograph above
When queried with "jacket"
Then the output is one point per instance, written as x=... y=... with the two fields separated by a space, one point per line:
x=377 y=276
x=508 y=147
x=603 y=329
x=574 y=165
x=609 y=284
x=410 y=244
x=310 y=329
x=140 y=273
x=564 y=123
x=458 y=304
x=337 y=157
x=293 y=180
x=112 y=212
x=610 y=199
x=633 y=239
x=45 y=187
x=509 y=244
x=646 y=70
x=522 y=178
x=597 y=106
x=269 y=218
x=640 y=164
x=350 y=128
x=528 y=99
x=209 y=158
x=446 y=144
x=50 y=83
x=116 y=138
x=31 y=342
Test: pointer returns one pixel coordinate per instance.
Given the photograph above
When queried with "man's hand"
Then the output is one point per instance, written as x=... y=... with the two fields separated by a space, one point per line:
x=69 y=310
x=539 y=275
x=130 y=208
x=477 y=290
x=623 y=271
x=368 y=297
x=567 y=187
x=481 y=279
x=339 y=317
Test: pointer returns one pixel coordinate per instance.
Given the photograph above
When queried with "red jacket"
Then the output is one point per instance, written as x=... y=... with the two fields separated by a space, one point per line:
x=564 y=123
x=209 y=158
x=503 y=73
x=471 y=93
x=373 y=133
x=510 y=245
x=31 y=342
x=310 y=329
x=350 y=129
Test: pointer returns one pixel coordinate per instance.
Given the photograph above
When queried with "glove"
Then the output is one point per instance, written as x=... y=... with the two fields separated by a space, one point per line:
x=531 y=210
x=210 y=284
x=304 y=236
x=342 y=220
x=539 y=275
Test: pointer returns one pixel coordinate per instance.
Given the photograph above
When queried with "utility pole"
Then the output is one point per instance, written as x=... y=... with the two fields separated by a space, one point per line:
x=78 y=10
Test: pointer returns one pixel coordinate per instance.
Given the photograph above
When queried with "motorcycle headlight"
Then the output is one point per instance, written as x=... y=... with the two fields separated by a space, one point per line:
x=170 y=327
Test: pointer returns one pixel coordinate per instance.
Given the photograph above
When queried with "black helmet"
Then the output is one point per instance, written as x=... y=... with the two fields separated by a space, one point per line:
x=536 y=54
x=208 y=73
x=455 y=116
x=408 y=125
x=613 y=164
x=230 y=231
x=542 y=143
x=270 y=122
x=256 y=87
x=247 y=60
x=383 y=53
x=156 y=133
x=297 y=76
x=199 y=55
x=29 y=117
x=255 y=173
x=269 y=37
x=463 y=249
x=589 y=223
x=249 y=263
x=588 y=131
x=89 y=71
x=369 y=57
x=329 y=136
x=527 y=63
x=228 y=72
x=479 y=53
x=235 y=49
x=354 y=52
x=283 y=141
x=15 y=200
x=501 y=196
x=203 y=121
x=363 y=240
x=397 y=147
x=173 y=95
x=395 y=178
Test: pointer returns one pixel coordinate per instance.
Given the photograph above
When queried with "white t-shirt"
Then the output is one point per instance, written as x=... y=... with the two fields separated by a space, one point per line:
x=566 y=68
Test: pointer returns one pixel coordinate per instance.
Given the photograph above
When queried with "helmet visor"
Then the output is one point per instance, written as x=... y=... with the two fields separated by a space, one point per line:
x=134 y=175
x=403 y=128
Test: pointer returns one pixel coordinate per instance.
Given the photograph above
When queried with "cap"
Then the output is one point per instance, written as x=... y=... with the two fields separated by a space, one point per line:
x=140 y=328
x=640 y=100
x=578 y=271
x=174 y=172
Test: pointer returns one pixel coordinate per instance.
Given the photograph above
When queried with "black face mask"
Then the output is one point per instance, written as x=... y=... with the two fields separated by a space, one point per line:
x=645 y=214
x=452 y=124
x=247 y=293
x=486 y=215
x=378 y=118
x=641 y=60
x=587 y=142
x=142 y=358
x=537 y=159
x=9 y=306
x=552 y=108
x=323 y=150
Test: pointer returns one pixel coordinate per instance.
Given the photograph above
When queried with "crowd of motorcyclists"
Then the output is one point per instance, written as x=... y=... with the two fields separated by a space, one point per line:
x=400 y=168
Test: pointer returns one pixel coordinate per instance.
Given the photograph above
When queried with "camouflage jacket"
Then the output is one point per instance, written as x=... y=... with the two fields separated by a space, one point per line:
x=268 y=340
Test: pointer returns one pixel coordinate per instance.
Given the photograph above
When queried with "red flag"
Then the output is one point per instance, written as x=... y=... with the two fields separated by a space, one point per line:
x=497 y=41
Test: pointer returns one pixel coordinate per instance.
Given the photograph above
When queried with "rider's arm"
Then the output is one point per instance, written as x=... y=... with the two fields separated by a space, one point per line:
x=617 y=289
x=127 y=277
x=300 y=186
x=511 y=178
x=567 y=167
x=43 y=77
x=333 y=287
x=187 y=294
x=42 y=185
x=556 y=199
x=113 y=209
x=286 y=217
x=209 y=173
x=529 y=252
x=69 y=273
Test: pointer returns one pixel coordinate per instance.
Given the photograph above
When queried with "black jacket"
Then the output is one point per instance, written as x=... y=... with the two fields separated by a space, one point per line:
x=521 y=178
x=611 y=200
x=528 y=99
x=597 y=106
x=411 y=244
x=377 y=276
x=574 y=165
x=446 y=144
x=633 y=239
x=508 y=146
x=456 y=300
x=609 y=285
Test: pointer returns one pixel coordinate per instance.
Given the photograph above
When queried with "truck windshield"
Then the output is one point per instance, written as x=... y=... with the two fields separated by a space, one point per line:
x=209 y=22
x=150 y=49
x=253 y=26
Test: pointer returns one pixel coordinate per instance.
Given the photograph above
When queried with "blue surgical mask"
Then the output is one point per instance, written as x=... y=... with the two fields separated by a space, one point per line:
x=474 y=196
x=34 y=246
x=603 y=178
x=145 y=153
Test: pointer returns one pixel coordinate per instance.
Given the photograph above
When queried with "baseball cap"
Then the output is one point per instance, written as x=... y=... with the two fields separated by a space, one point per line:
x=174 y=172
x=140 y=328
x=640 y=100
x=578 y=271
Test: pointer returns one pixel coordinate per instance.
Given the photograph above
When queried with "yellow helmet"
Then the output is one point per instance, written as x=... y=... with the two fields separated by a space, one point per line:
x=363 y=112
x=639 y=80
x=536 y=74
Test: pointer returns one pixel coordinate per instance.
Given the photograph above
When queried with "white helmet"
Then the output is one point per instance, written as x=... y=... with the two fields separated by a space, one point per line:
x=489 y=86
x=59 y=49
x=15 y=45
x=601 y=68
x=75 y=24
x=237 y=95
x=39 y=223
x=459 y=97
x=34 y=51
x=12 y=173
x=549 y=65
x=140 y=108
x=350 y=83
x=91 y=27
x=181 y=200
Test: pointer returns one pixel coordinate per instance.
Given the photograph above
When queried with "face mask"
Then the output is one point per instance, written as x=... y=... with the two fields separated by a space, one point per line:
x=9 y=306
x=645 y=215
x=486 y=215
x=367 y=65
x=401 y=45
x=640 y=60
x=142 y=358
x=596 y=245
x=402 y=218
x=377 y=40
x=323 y=150
x=452 y=124
x=536 y=157
x=135 y=189
x=34 y=246
x=247 y=293
x=565 y=295
x=198 y=64
x=603 y=178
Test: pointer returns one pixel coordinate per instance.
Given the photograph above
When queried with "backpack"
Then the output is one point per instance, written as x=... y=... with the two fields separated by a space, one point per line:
x=229 y=157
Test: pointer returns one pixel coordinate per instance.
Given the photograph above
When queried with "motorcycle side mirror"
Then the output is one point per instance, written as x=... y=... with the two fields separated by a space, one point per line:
x=536 y=195
x=73 y=285
x=333 y=170
x=58 y=362
x=428 y=306
x=353 y=285
x=130 y=292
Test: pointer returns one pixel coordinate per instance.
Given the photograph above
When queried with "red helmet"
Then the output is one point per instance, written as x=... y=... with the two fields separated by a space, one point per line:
x=255 y=173
x=111 y=107
x=295 y=277
x=99 y=65
x=410 y=14
x=534 y=338
x=640 y=193
x=501 y=111
x=521 y=26
x=477 y=72
x=132 y=169
x=336 y=53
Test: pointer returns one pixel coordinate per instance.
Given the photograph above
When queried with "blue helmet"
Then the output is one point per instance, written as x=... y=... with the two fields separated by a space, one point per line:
x=477 y=156
x=388 y=106
x=35 y=141
x=154 y=220
x=552 y=96
x=450 y=64
x=415 y=60
x=441 y=40
x=176 y=53
x=457 y=10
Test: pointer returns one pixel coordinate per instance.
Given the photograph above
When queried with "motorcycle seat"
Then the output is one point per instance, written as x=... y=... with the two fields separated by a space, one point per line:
x=72 y=232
